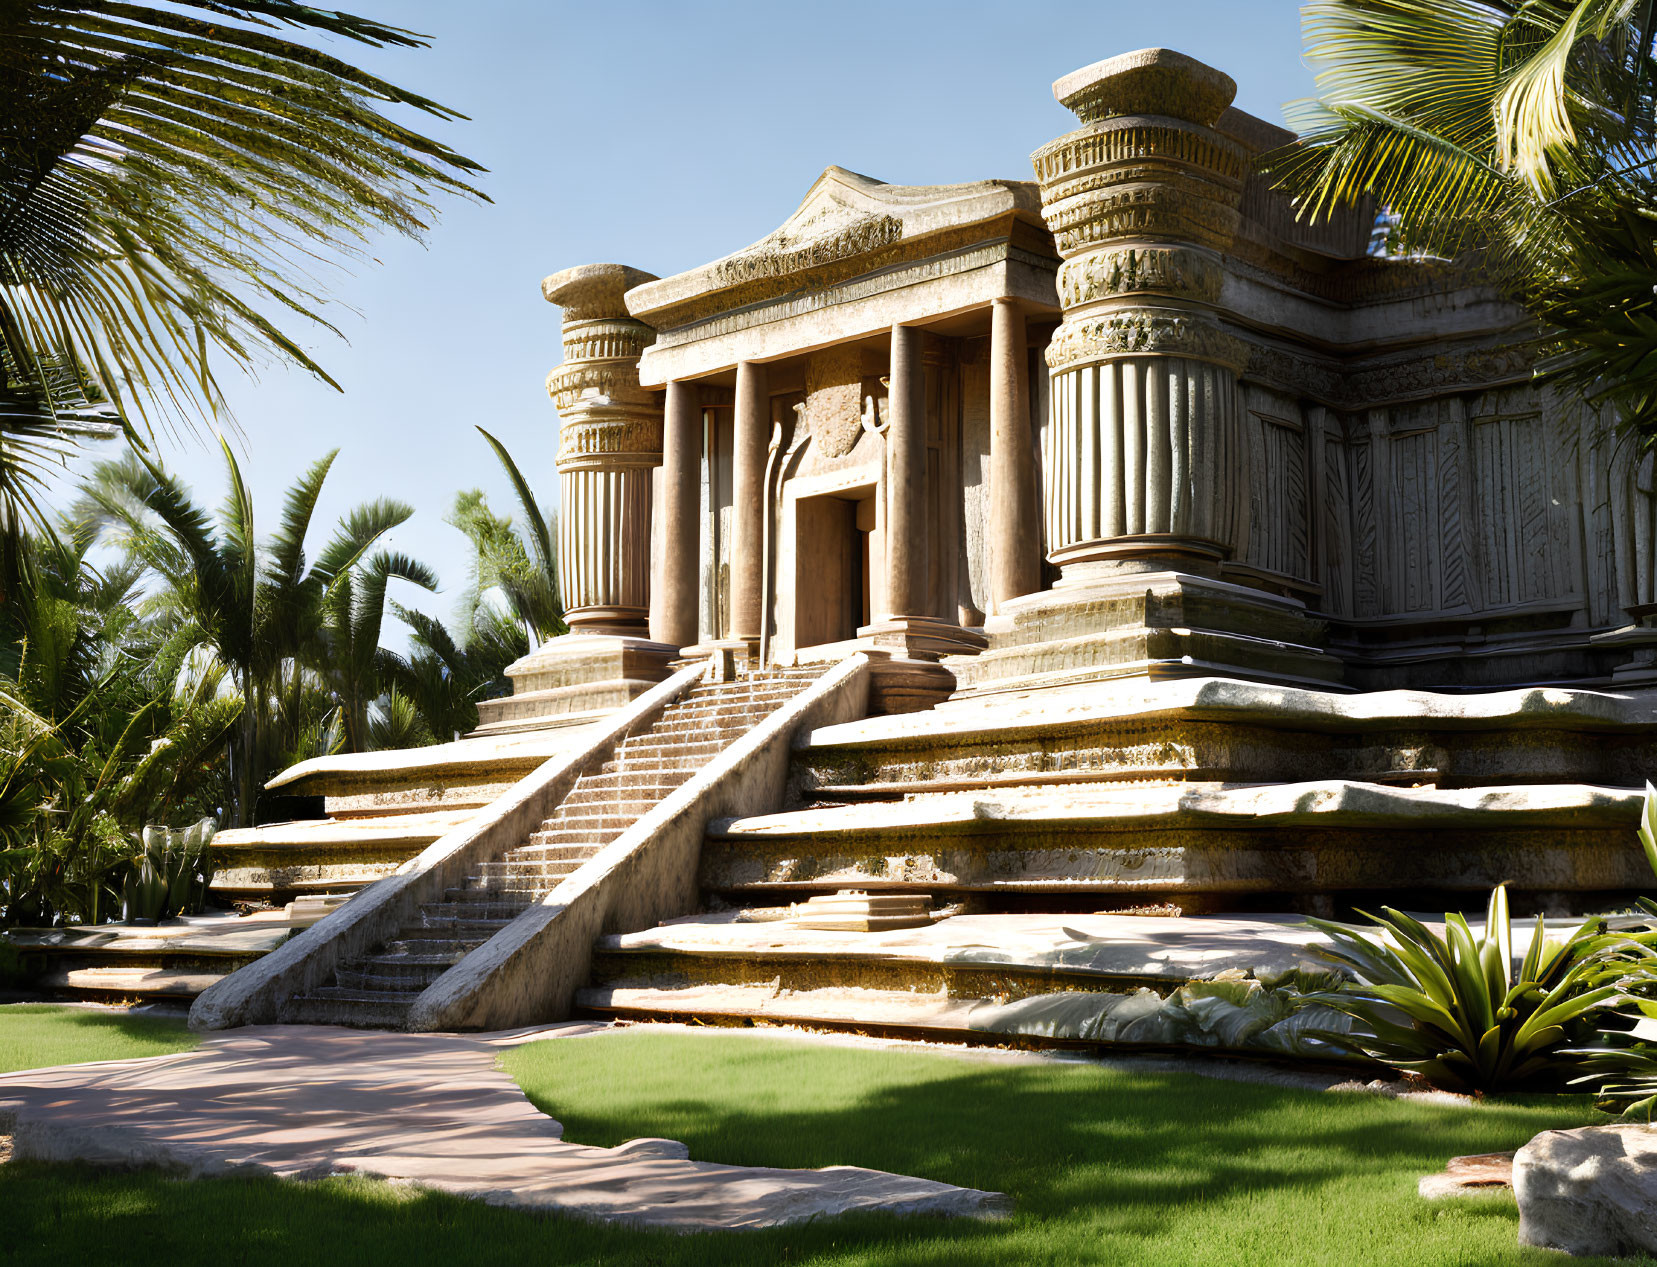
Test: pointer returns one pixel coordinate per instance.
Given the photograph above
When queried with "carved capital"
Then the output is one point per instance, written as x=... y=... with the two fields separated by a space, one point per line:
x=1144 y=332
x=611 y=439
x=1147 y=81
x=597 y=383
x=1178 y=271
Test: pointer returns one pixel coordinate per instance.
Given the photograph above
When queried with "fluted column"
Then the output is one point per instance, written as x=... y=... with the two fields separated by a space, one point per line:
x=751 y=432
x=906 y=540
x=609 y=438
x=1015 y=547
x=1145 y=465
x=673 y=600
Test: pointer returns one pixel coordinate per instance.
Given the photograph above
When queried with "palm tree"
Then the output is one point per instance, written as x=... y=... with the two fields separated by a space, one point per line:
x=1518 y=132
x=523 y=567
x=169 y=177
x=261 y=611
x=350 y=658
x=442 y=681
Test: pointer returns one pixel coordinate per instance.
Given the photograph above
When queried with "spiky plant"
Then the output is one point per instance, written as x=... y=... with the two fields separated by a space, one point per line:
x=1458 y=1010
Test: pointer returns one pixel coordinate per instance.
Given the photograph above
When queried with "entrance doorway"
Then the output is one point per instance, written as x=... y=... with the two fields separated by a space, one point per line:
x=832 y=566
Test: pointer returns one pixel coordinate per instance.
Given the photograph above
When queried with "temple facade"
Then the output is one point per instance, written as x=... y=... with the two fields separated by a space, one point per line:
x=1128 y=418
x=998 y=608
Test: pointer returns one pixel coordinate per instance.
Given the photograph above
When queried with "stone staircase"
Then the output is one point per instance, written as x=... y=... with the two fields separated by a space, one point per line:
x=377 y=990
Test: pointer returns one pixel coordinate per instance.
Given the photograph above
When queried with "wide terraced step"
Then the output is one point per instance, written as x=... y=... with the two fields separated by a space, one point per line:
x=1199 y=847
x=379 y=989
x=1225 y=731
x=1217 y=983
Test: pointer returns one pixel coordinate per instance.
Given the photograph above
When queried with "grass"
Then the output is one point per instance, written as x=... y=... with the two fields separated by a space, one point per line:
x=34 y=1035
x=1107 y=1166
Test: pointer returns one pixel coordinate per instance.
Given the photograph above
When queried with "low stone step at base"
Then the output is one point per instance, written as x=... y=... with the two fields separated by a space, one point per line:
x=113 y=985
x=356 y=1009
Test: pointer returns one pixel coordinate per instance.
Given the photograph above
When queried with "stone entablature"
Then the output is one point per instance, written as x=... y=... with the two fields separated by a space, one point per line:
x=856 y=257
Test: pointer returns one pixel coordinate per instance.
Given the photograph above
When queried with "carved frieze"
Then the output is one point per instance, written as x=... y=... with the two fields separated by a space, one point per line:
x=1347 y=386
x=1138 y=211
x=610 y=339
x=604 y=382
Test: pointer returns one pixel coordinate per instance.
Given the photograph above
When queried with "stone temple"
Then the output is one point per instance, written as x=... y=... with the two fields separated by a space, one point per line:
x=989 y=602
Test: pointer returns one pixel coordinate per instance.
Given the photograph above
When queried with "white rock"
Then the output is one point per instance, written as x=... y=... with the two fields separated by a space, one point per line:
x=1589 y=1191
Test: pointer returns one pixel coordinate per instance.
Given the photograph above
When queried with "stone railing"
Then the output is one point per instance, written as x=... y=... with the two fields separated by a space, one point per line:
x=255 y=994
x=529 y=971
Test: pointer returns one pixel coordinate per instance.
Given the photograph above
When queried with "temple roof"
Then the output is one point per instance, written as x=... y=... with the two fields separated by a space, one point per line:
x=845 y=220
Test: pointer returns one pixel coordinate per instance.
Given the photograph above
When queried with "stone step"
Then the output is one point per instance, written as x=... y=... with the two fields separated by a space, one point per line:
x=1015 y=979
x=532 y=852
x=563 y=830
x=418 y=941
x=358 y=1009
x=1229 y=731
x=622 y=781
x=438 y=928
x=391 y=974
x=439 y=914
x=632 y=804
x=659 y=767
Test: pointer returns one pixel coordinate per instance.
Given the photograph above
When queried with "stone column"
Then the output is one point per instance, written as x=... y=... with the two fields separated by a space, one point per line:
x=673 y=601
x=750 y=434
x=609 y=440
x=906 y=539
x=1015 y=564
x=1144 y=461
x=1145 y=466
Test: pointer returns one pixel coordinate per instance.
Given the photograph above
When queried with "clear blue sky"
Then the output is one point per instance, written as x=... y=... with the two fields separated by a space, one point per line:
x=660 y=135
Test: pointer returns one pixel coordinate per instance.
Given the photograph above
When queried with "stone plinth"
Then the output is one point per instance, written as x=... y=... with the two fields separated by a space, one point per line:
x=1156 y=624
x=568 y=679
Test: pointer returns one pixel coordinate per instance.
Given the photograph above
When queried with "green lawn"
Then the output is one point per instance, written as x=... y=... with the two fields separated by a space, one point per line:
x=34 y=1035
x=1106 y=1166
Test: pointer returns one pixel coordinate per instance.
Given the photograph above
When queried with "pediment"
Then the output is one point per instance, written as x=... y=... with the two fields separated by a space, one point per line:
x=843 y=216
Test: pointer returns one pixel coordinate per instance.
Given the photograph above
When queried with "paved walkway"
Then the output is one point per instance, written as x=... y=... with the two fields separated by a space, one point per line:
x=432 y=1109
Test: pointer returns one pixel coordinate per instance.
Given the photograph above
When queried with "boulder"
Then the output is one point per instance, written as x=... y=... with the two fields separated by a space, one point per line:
x=1589 y=1191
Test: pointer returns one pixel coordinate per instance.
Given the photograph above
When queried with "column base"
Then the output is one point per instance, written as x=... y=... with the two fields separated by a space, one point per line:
x=921 y=636
x=1639 y=640
x=1151 y=624
x=575 y=674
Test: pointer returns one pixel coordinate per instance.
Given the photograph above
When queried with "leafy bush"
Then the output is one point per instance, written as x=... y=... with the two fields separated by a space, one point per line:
x=1454 y=1010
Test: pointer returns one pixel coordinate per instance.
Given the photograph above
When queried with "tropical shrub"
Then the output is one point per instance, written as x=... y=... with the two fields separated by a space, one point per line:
x=1454 y=1009
x=171 y=873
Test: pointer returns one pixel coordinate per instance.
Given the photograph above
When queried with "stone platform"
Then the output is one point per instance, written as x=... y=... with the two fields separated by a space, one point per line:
x=430 y=1110
x=1213 y=795
x=379 y=810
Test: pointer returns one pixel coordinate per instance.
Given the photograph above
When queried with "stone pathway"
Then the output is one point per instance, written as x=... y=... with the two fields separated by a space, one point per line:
x=430 y=1109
